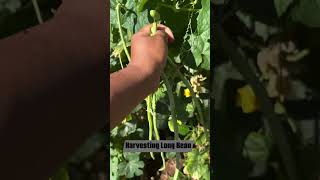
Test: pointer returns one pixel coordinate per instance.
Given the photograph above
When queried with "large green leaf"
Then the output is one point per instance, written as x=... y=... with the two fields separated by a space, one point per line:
x=114 y=162
x=132 y=165
x=141 y=20
x=134 y=21
x=195 y=165
x=141 y=5
x=190 y=109
x=200 y=41
x=307 y=12
x=124 y=129
x=203 y=18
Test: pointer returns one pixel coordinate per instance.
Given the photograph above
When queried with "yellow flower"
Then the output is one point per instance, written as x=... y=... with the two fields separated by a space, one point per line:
x=187 y=92
x=247 y=99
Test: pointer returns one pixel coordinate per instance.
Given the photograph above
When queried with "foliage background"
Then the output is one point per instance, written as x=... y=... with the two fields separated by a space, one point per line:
x=190 y=54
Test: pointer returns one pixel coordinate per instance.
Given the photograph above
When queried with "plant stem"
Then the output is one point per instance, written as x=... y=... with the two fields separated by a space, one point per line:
x=173 y=114
x=176 y=174
x=193 y=94
x=37 y=10
x=172 y=105
x=120 y=61
x=120 y=32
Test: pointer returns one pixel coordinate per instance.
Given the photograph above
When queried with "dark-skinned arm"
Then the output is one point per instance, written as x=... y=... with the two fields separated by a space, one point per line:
x=53 y=89
x=128 y=87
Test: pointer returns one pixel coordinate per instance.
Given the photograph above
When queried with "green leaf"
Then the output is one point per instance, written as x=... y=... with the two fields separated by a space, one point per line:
x=132 y=156
x=190 y=109
x=132 y=165
x=282 y=6
x=160 y=93
x=114 y=162
x=195 y=165
x=256 y=147
x=129 y=21
x=200 y=41
x=203 y=21
x=206 y=173
x=132 y=20
x=141 y=5
x=142 y=20
x=202 y=139
x=206 y=62
x=191 y=49
x=114 y=131
x=170 y=155
x=178 y=175
x=182 y=128
x=307 y=12
x=127 y=128
x=115 y=156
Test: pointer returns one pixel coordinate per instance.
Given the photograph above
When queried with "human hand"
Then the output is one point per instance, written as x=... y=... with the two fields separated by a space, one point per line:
x=149 y=53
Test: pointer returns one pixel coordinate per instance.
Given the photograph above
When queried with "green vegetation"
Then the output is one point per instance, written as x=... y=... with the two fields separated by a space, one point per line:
x=179 y=109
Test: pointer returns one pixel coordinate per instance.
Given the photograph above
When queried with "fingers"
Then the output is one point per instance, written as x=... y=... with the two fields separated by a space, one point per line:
x=167 y=31
x=162 y=30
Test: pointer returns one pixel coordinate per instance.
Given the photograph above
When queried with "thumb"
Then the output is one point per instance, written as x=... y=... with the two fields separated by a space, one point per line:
x=169 y=34
x=162 y=34
x=167 y=31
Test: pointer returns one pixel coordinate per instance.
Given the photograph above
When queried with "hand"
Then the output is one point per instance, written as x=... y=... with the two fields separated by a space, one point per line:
x=149 y=53
x=142 y=76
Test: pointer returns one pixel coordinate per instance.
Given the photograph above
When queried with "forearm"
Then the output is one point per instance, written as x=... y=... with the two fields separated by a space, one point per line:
x=52 y=90
x=128 y=87
x=44 y=129
x=70 y=41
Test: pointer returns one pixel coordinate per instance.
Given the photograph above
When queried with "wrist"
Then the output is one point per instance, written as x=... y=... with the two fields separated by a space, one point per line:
x=150 y=77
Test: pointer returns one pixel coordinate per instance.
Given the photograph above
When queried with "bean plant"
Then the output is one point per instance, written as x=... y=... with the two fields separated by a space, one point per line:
x=179 y=109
